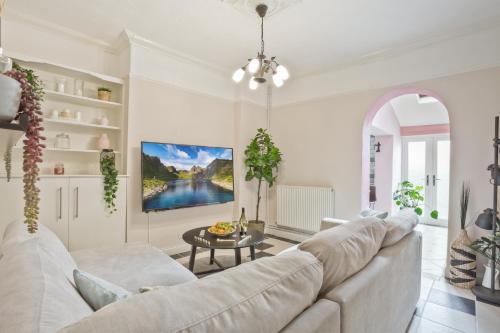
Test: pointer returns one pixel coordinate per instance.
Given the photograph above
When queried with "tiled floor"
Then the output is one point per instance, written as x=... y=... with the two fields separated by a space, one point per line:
x=442 y=308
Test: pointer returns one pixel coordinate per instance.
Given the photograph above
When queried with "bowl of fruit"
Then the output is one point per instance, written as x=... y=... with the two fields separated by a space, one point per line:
x=222 y=229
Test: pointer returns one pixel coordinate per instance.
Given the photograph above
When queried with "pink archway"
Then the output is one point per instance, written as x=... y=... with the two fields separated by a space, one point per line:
x=379 y=103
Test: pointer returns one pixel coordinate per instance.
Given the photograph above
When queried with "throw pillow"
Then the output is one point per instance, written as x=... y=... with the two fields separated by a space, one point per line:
x=346 y=249
x=399 y=225
x=96 y=291
x=373 y=213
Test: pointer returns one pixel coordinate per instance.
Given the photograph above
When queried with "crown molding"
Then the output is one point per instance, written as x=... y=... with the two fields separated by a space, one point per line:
x=407 y=47
x=17 y=16
x=135 y=39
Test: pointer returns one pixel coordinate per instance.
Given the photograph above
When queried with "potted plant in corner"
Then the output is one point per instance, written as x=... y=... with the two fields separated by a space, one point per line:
x=410 y=196
x=262 y=159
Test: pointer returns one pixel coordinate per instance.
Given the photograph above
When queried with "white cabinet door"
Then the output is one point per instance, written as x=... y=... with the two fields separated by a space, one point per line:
x=54 y=206
x=11 y=202
x=90 y=223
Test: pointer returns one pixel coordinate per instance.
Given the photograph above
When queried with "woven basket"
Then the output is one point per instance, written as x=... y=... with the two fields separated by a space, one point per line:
x=463 y=262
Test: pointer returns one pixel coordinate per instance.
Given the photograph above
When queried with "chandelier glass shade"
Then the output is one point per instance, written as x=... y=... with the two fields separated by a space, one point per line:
x=260 y=68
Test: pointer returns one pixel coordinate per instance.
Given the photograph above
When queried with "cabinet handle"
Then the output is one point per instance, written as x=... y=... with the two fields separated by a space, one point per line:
x=60 y=202
x=76 y=202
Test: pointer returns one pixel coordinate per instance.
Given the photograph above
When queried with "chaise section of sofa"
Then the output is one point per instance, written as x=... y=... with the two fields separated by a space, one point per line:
x=133 y=266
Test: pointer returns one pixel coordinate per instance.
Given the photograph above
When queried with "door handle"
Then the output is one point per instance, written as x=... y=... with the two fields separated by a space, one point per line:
x=434 y=180
x=427 y=180
x=60 y=203
x=76 y=202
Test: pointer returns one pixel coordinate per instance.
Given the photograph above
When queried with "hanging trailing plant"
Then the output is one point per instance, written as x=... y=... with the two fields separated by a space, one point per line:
x=30 y=109
x=110 y=174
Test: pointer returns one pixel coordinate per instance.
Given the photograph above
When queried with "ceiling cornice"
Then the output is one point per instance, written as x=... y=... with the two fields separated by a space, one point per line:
x=128 y=38
x=20 y=17
x=406 y=47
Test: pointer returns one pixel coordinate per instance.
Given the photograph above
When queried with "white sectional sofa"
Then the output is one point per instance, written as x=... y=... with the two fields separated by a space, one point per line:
x=285 y=293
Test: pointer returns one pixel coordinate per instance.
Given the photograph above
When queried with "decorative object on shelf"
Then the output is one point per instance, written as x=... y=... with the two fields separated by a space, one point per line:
x=409 y=195
x=77 y=115
x=262 y=159
x=103 y=142
x=59 y=168
x=103 y=120
x=63 y=141
x=79 y=86
x=104 y=94
x=260 y=66
x=488 y=276
x=54 y=114
x=377 y=147
x=108 y=170
x=7 y=157
x=60 y=85
x=490 y=246
x=10 y=97
x=30 y=108
x=462 y=258
x=65 y=114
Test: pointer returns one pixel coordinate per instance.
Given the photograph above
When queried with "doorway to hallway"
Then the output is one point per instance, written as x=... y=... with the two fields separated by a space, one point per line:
x=426 y=163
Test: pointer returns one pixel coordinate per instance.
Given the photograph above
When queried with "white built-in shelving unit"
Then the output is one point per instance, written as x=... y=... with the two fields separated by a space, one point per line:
x=83 y=156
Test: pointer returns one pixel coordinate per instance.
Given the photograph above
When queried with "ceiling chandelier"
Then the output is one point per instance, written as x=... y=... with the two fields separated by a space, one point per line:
x=260 y=67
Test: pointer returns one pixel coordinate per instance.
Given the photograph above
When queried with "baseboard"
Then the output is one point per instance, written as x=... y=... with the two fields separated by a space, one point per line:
x=289 y=233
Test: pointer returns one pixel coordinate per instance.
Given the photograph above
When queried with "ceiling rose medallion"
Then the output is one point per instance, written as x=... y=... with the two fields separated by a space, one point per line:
x=260 y=67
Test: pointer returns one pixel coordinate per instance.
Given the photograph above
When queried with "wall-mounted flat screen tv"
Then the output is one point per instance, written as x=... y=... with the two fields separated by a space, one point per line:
x=178 y=176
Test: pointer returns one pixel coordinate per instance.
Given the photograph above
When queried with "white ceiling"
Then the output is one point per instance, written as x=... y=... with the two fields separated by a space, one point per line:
x=308 y=36
x=411 y=113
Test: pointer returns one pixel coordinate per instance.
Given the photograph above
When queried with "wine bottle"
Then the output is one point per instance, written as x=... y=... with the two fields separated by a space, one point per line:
x=243 y=222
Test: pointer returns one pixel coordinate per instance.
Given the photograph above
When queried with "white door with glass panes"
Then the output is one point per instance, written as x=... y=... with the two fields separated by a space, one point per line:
x=426 y=162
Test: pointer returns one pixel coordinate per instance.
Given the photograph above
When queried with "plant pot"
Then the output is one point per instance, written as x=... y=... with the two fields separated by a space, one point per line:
x=462 y=262
x=256 y=225
x=104 y=95
x=487 y=278
x=10 y=95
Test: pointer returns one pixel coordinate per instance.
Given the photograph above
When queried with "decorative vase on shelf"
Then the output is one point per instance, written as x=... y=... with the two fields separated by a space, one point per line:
x=487 y=278
x=104 y=94
x=463 y=262
x=10 y=96
x=103 y=142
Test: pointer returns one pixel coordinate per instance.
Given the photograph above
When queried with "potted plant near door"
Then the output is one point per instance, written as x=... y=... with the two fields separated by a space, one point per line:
x=262 y=159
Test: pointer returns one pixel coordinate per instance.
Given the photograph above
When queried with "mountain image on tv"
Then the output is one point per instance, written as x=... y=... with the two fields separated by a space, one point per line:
x=178 y=176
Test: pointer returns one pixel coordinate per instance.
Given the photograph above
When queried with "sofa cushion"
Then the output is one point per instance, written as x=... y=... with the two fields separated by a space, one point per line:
x=399 y=225
x=35 y=294
x=346 y=249
x=133 y=266
x=259 y=296
x=16 y=233
x=373 y=213
x=98 y=292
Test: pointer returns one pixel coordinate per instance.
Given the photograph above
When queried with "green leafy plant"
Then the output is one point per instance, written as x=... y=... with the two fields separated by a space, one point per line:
x=103 y=89
x=409 y=195
x=262 y=159
x=485 y=245
x=110 y=174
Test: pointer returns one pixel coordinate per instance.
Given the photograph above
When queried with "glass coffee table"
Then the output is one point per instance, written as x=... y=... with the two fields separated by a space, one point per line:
x=200 y=237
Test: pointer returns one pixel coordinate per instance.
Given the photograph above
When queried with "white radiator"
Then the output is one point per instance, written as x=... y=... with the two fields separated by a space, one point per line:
x=303 y=207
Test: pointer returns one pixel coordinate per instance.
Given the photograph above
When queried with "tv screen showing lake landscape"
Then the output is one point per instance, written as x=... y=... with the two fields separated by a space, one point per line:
x=177 y=176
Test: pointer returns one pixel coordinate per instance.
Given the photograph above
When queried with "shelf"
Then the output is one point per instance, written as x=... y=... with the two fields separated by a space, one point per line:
x=51 y=66
x=81 y=100
x=79 y=123
x=90 y=151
